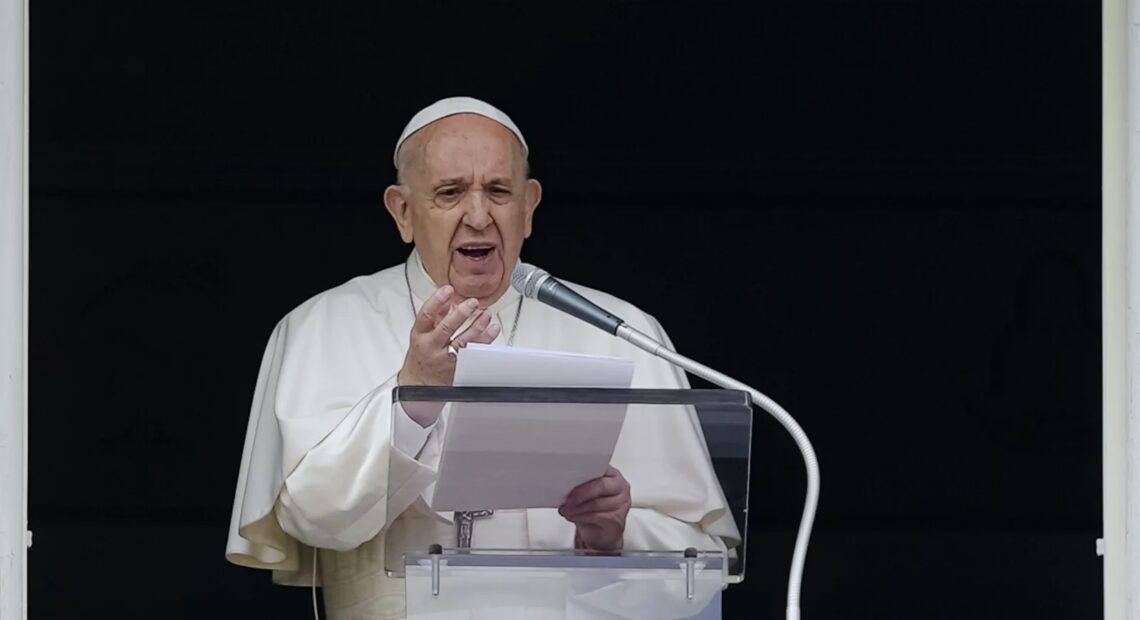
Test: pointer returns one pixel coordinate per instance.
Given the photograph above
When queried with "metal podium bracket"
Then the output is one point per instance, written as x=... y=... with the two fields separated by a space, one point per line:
x=689 y=569
x=435 y=551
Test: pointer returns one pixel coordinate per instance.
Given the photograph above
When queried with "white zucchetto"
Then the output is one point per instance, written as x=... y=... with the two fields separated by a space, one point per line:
x=455 y=105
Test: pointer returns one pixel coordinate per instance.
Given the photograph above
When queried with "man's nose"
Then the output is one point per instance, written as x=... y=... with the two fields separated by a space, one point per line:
x=477 y=211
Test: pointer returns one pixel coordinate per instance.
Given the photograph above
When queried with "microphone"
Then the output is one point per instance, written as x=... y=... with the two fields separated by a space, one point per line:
x=535 y=283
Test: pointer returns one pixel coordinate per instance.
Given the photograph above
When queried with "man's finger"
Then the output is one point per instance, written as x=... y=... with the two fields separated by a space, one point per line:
x=606 y=520
x=455 y=318
x=598 y=487
x=488 y=336
x=608 y=503
x=473 y=331
x=434 y=308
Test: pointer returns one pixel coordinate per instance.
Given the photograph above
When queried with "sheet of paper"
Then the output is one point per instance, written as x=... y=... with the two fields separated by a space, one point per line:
x=486 y=364
x=527 y=455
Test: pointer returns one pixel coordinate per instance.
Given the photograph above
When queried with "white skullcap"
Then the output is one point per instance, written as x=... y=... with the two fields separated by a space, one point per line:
x=449 y=107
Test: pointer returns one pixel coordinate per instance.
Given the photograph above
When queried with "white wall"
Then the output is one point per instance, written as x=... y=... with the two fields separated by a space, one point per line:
x=1121 y=299
x=13 y=308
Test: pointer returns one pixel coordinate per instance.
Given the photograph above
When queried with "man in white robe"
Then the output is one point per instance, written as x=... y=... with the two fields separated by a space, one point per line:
x=327 y=465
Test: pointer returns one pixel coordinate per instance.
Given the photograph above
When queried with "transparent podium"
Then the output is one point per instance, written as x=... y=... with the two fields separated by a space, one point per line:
x=473 y=546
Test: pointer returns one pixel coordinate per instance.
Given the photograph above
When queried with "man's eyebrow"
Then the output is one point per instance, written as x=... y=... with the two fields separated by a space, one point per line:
x=500 y=181
x=449 y=181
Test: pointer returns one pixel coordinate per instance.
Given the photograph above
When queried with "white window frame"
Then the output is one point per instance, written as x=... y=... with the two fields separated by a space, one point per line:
x=1120 y=295
x=14 y=536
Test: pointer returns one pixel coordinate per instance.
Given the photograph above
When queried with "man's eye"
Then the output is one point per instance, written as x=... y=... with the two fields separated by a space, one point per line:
x=449 y=192
x=500 y=191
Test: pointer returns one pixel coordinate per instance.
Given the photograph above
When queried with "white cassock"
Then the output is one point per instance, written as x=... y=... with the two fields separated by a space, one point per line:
x=325 y=466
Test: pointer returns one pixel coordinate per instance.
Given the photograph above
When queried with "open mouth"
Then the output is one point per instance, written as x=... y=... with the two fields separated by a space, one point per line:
x=476 y=251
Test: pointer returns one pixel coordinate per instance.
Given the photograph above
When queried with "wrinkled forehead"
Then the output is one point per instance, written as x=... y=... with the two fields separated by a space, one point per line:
x=463 y=145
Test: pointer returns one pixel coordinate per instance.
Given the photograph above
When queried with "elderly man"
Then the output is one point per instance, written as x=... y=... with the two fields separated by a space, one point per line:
x=326 y=466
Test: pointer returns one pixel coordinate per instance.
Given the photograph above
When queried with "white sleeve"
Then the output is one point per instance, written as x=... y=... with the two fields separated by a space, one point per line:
x=324 y=463
x=354 y=482
x=407 y=434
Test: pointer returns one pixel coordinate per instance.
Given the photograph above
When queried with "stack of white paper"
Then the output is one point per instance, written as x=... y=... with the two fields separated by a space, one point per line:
x=527 y=455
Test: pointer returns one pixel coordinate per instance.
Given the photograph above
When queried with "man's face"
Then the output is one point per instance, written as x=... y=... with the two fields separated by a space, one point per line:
x=469 y=204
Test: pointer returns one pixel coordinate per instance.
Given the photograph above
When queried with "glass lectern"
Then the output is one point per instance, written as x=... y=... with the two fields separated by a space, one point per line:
x=497 y=451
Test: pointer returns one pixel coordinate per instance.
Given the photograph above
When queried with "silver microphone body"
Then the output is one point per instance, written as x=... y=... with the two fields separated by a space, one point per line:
x=535 y=283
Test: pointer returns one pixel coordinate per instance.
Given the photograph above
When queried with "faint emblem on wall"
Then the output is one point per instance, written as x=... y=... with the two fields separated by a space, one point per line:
x=147 y=380
x=1042 y=391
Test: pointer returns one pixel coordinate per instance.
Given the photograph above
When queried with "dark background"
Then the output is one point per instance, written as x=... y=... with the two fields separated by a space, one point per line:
x=885 y=214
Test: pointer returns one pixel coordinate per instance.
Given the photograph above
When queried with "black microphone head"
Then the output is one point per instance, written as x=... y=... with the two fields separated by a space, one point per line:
x=526 y=278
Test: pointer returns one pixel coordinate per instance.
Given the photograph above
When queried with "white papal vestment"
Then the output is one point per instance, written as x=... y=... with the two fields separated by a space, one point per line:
x=325 y=465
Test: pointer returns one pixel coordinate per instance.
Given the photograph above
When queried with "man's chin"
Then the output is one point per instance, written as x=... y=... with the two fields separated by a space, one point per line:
x=478 y=286
x=484 y=282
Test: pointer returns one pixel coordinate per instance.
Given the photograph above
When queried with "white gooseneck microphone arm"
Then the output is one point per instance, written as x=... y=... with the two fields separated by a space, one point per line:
x=537 y=284
x=795 y=575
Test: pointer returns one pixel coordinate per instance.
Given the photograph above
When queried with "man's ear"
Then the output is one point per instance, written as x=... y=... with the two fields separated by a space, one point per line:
x=533 y=197
x=400 y=210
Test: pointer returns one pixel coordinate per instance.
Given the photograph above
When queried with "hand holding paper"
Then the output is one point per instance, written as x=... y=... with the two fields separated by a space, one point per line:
x=598 y=508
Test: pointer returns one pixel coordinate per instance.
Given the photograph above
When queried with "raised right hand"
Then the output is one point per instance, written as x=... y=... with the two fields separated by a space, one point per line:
x=428 y=361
